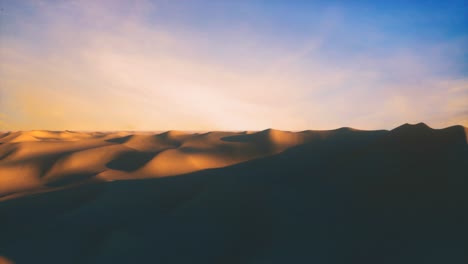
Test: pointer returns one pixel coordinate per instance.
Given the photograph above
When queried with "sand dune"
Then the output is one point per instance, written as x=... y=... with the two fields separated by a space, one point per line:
x=40 y=159
x=336 y=196
x=43 y=160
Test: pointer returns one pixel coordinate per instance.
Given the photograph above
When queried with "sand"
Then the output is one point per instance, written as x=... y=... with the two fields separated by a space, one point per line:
x=42 y=160
x=270 y=196
x=39 y=160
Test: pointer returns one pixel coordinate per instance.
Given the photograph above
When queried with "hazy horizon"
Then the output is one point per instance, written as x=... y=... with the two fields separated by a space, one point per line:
x=207 y=131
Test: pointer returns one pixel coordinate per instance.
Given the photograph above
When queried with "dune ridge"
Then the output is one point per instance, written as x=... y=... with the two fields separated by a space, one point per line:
x=43 y=160
x=40 y=159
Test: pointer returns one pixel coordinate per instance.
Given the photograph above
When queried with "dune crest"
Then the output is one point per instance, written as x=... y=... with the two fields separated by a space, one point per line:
x=40 y=160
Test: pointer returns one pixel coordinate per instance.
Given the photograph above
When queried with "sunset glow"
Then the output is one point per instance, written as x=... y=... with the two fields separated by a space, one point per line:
x=231 y=65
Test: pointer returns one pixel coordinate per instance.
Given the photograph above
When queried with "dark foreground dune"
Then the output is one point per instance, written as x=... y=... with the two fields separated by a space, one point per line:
x=339 y=196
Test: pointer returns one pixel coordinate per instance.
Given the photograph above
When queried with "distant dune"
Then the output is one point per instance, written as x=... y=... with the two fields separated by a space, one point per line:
x=41 y=160
x=334 y=196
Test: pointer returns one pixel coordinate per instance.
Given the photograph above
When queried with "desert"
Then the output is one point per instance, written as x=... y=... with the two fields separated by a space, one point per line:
x=266 y=196
x=233 y=132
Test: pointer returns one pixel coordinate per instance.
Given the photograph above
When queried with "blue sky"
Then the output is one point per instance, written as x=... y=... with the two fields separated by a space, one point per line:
x=232 y=65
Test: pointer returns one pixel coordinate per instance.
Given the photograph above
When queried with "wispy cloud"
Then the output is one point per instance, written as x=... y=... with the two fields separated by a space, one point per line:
x=85 y=65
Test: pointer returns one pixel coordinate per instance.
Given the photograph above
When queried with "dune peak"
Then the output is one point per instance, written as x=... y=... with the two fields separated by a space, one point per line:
x=173 y=133
x=413 y=127
x=347 y=129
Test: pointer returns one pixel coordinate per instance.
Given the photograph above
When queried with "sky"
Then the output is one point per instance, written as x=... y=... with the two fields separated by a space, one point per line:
x=232 y=64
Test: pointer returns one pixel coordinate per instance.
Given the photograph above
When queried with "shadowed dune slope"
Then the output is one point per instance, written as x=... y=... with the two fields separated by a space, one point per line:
x=338 y=196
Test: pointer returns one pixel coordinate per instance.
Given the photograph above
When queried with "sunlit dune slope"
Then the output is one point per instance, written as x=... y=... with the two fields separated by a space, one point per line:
x=40 y=160
x=35 y=160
